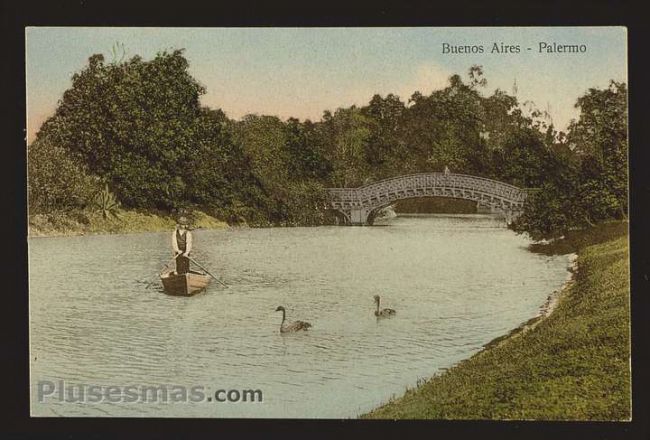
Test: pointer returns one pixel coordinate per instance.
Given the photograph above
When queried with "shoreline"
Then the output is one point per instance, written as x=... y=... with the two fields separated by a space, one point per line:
x=545 y=310
x=549 y=367
x=100 y=233
x=82 y=223
x=66 y=224
x=553 y=299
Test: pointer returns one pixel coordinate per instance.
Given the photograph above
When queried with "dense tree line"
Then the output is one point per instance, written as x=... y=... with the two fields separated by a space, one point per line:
x=138 y=127
x=589 y=181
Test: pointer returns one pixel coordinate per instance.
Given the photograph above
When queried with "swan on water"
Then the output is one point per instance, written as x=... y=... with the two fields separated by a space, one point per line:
x=382 y=313
x=291 y=326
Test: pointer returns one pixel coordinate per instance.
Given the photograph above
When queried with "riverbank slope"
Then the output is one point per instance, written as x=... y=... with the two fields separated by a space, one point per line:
x=91 y=222
x=571 y=365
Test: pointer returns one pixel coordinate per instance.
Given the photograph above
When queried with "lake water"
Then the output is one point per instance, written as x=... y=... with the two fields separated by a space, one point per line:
x=456 y=282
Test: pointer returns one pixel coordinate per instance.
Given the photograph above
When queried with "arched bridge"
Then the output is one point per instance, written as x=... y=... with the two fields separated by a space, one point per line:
x=359 y=206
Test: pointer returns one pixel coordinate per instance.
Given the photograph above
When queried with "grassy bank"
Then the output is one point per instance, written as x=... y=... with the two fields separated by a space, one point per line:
x=572 y=365
x=83 y=222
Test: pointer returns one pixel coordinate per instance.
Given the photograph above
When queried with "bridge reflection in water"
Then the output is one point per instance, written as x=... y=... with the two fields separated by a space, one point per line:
x=359 y=206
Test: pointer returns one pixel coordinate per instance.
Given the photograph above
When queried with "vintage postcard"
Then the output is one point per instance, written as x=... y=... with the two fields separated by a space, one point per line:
x=387 y=222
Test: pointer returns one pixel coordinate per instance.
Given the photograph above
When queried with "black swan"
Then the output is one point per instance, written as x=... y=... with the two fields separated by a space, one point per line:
x=291 y=326
x=382 y=313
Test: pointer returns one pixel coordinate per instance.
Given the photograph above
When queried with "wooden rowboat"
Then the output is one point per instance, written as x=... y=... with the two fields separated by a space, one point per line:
x=186 y=284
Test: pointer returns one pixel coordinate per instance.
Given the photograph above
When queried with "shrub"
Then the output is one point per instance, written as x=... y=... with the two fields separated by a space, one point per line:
x=56 y=181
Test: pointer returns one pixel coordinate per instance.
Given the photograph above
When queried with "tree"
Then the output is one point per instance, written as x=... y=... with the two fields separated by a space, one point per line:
x=346 y=136
x=384 y=150
x=263 y=141
x=129 y=123
x=587 y=181
x=219 y=177
x=600 y=141
x=284 y=168
x=443 y=129
x=307 y=158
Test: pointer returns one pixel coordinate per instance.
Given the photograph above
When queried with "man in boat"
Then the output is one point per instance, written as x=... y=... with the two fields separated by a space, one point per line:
x=182 y=245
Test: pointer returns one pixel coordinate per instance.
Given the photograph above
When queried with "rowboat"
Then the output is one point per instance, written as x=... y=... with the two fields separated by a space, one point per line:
x=186 y=284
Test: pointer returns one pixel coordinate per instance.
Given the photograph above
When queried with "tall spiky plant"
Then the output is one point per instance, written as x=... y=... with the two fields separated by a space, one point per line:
x=107 y=203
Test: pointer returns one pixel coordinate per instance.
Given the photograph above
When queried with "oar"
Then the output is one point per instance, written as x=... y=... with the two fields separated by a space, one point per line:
x=195 y=262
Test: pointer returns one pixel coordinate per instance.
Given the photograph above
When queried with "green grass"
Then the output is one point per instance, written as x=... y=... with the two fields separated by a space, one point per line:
x=92 y=222
x=573 y=365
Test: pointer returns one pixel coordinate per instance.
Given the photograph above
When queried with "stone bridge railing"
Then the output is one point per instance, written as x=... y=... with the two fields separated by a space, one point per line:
x=360 y=205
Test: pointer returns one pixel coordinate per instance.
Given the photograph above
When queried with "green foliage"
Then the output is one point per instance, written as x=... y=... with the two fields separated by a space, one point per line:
x=138 y=126
x=549 y=217
x=385 y=149
x=284 y=189
x=131 y=123
x=218 y=175
x=577 y=240
x=346 y=136
x=306 y=154
x=443 y=129
x=106 y=203
x=56 y=181
x=586 y=182
x=306 y=203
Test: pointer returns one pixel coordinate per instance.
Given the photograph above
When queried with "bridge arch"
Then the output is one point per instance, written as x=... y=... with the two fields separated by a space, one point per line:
x=360 y=205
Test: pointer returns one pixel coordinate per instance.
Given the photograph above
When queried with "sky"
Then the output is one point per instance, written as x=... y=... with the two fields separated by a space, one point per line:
x=301 y=72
